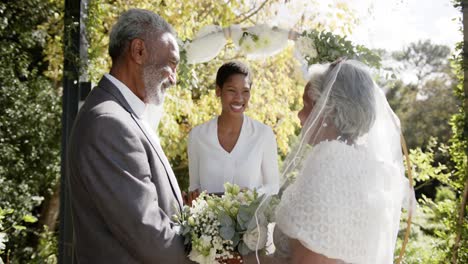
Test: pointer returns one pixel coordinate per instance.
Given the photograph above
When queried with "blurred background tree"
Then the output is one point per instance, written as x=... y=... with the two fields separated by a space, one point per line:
x=422 y=94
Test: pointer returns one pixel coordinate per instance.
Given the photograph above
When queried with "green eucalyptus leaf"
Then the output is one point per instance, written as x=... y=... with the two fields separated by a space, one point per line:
x=185 y=230
x=225 y=219
x=243 y=249
x=241 y=225
x=235 y=239
x=245 y=214
x=227 y=232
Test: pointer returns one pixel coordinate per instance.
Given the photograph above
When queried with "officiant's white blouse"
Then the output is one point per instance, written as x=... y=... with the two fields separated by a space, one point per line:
x=252 y=162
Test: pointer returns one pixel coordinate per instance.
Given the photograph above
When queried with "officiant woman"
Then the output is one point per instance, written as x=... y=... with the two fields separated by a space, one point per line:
x=232 y=147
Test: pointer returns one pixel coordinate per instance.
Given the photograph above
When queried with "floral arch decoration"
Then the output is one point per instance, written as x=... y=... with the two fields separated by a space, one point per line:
x=261 y=41
x=311 y=47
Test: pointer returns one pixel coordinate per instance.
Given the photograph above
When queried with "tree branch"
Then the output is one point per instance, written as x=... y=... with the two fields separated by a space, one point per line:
x=252 y=14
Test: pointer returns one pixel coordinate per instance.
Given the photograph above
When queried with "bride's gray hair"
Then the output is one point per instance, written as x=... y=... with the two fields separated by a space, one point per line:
x=132 y=24
x=351 y=103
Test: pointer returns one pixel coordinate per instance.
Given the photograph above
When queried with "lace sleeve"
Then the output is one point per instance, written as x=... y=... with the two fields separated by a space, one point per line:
x=336 y=206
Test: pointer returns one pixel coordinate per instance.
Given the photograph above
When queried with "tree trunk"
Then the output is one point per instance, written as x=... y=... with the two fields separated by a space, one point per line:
x=50 y=210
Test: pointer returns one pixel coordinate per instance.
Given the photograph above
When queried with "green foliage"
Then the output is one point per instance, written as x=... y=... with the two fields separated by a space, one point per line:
x=29 y=122
x=459 y=147
x=47 y=248
x=459 y=151
x=431 y=237
x=12 y=226
x=428 y=238
x=331 y=47
x=425 y=165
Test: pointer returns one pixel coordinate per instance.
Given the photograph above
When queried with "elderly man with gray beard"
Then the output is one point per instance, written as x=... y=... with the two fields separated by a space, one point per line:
x=123 y=189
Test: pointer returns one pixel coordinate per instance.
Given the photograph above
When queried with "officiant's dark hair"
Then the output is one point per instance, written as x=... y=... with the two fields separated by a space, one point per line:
x=231 y=68
x=132 y=24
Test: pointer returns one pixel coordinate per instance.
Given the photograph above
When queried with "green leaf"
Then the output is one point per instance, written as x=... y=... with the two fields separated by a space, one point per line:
x=243 y=249
x=29 y=219
x=245 y=214
x=9 y=211
x=235 y=239
x=19 y=227
x=227 y=232
x=225 y=219
x=253 y=223
x=186 y=230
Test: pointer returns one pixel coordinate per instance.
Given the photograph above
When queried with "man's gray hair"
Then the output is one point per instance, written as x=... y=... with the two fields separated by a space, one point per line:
x=351 y=102
x=135 y=23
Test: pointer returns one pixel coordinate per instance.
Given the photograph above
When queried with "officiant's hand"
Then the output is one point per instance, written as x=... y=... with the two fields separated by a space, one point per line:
x=192 y=196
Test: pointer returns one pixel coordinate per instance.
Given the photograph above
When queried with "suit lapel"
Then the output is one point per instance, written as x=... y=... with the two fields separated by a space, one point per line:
x=110 y=87
x=162 y=157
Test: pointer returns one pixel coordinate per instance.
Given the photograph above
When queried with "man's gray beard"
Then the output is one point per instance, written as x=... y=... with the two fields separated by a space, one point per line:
x=155 y=85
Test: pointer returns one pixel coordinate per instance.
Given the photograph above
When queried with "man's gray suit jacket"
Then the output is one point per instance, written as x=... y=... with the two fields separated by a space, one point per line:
x=123 y=190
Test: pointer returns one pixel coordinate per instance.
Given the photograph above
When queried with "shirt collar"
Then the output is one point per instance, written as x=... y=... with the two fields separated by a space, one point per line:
x=137 y=105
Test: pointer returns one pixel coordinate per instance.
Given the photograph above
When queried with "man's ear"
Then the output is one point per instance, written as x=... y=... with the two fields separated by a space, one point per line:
x=138 y=50
x=218 y=91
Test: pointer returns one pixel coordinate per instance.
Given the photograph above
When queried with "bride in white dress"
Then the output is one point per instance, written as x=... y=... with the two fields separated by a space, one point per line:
x=343 y=184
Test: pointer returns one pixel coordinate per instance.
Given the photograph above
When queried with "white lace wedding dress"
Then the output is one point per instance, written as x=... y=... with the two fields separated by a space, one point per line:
x=339 y=206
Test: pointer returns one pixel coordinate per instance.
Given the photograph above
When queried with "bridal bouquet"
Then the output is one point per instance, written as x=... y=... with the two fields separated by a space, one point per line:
x=218 y=229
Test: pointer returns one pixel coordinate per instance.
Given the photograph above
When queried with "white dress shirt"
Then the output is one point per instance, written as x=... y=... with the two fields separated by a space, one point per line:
x=252 y=163
x=141 y=110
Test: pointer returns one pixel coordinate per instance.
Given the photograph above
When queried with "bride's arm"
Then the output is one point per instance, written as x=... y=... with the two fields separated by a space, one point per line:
x=302 y=255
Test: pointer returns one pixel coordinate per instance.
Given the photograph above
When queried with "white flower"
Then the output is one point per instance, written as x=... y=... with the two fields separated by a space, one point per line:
x=269 y=41
x=205 y=241
x=198 y=207
x=306 y=47
x=241 y=198
x=198 y=257
x=191 y=221
x=227 y=204
x=248 y=44
x=260 y=41
x=250 y=238
x=206 y=45
x=3 y=238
